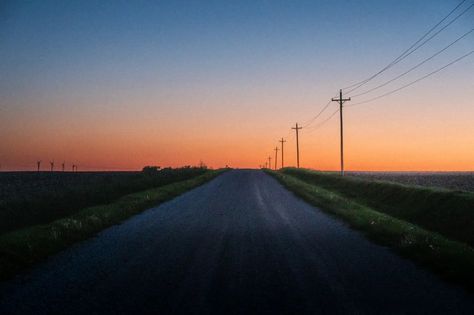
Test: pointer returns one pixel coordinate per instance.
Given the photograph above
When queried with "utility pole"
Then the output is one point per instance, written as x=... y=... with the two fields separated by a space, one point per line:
x=63 y=165
x=282 y=141
x=276 y=157
x=38 y=164
x=270 y=162
x=341 y=101
x=297 y=145
x=52 y=165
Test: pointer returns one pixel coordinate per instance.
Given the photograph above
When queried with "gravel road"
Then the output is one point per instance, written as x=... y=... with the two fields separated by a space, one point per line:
x=239 y=244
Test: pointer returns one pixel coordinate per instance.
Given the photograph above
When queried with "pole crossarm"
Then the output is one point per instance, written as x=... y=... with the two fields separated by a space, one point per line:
x=341 y=101
x=282 y=141
x=296 y=128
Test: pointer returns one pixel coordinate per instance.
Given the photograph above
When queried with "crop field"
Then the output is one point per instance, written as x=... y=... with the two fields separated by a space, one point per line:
x=429 y=225
x=463 y=181
x=29 y=198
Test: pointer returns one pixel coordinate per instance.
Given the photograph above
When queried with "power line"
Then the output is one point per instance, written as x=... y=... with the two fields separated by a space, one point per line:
x=324 y=121
x=415 y=81
x=415 y=67
x=309 y=122
x=412 y=48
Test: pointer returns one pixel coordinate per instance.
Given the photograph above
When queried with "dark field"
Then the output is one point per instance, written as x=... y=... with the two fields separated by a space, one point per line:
x=30 y=198
x=434 y=227
x=240 y=244
x=447 y=212
x=463 y=181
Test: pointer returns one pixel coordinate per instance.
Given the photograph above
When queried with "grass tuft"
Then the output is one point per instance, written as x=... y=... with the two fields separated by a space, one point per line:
x=451 y=259
x=22 y=248
x=450 y=213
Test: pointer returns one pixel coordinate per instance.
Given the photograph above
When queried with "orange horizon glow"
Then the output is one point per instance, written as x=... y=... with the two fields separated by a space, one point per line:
x=122 y=86
x=401 y=143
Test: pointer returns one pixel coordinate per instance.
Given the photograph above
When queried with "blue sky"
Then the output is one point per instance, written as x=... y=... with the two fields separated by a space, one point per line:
x=116 y=43
x=117 y=58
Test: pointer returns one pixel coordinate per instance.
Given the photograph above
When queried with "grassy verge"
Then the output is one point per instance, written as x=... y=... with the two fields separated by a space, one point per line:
x=23 y=248
x=450 y=213
x=450 y=259
x=33 y=198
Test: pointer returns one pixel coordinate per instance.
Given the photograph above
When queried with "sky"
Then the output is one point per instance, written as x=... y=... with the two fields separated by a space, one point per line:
x=117 y=85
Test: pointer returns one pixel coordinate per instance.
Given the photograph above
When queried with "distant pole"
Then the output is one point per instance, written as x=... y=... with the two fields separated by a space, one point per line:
x=270 y=162
x=297 y=145
x=52 y=165
x=266 y=164
x=63 y=165
x=38 y=164
x=341 y=101
x=276 y=158
x=282 y=141
x=73 y=167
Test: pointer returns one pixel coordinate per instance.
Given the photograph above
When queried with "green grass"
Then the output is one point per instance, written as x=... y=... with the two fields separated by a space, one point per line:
x=32 y=198
x=450 y=213
x=450 y=259
x=23 y=248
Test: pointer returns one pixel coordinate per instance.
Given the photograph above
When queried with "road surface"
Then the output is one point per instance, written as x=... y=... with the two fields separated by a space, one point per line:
x=239 y=244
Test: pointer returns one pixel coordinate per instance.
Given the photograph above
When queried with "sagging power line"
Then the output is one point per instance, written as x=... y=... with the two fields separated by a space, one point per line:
x=416 y=66
x=309 y=122
x=323 y=122
x=423 y=40
x=415 y=81
x=415 y=46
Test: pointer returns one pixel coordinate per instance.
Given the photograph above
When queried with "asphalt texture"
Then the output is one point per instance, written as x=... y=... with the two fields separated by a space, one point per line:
x=240 y=244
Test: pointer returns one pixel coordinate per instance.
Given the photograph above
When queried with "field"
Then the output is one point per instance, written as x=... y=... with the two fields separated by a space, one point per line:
x=51 y=230
x=447 y=212
x=462 y=181
x=429 y=225
x=30 y=198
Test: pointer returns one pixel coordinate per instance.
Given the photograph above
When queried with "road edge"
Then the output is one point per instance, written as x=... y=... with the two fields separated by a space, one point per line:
x=451 y=260
x=22 y=249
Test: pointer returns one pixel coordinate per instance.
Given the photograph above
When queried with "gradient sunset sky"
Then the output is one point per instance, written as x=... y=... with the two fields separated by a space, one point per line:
x=116 y=85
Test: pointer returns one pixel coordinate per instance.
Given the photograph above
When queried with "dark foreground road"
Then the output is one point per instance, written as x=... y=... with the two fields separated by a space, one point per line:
x=239 y=244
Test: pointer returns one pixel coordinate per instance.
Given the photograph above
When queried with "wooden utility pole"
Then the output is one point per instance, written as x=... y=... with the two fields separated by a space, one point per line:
x=38 y=164
x=276 y=157
x=282 y=141
x=63 y=165
x=52 y=165
x=341 y=101
x=297 y=145
x=270 y=162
